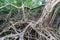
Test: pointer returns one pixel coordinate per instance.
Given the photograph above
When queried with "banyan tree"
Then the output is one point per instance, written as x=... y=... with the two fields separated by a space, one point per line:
x=20 y=25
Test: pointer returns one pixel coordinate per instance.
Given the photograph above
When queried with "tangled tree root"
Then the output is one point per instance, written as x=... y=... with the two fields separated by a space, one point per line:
x=26 y=29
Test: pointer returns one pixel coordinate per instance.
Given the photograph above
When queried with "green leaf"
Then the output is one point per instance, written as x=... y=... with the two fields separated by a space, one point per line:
x=15 y=2
x=1 y=3
x=33 y=3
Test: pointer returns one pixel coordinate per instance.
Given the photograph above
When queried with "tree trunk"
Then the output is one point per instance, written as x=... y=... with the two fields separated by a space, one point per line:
x=47 y=12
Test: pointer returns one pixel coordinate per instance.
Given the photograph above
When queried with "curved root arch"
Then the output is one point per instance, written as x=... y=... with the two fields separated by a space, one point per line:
x=47 y=12
x=54 y=13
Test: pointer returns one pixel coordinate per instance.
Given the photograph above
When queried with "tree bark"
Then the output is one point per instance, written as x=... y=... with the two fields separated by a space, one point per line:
x=47 y=12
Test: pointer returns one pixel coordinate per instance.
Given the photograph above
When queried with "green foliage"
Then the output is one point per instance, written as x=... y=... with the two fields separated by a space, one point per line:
x=37 y=10
x=33 y=3
x=15 y=2
x=29 y=3
x=1 y=3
